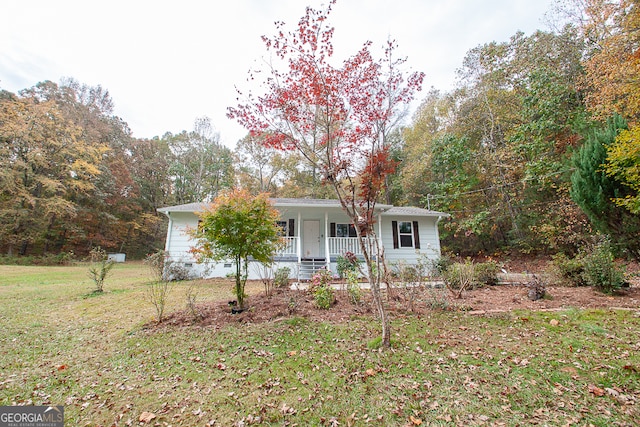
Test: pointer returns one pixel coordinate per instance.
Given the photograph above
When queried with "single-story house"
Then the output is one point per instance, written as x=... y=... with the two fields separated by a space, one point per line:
x=316 y=232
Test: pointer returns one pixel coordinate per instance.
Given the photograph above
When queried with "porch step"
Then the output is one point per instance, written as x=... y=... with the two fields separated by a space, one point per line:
x=308 y=267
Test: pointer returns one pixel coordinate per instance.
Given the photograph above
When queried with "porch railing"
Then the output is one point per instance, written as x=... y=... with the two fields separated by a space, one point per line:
x=290 y=247
x=341 y=245
x=337 y=246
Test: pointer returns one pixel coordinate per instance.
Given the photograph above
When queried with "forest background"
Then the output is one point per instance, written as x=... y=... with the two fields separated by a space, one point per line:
x=536 y=150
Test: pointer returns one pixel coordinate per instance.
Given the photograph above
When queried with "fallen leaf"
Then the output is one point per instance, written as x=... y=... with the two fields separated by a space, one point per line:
x=415 y=421
x=287 y=410
x=369 y=372
x=554 y=322
x=146 y=417
x=596 y=390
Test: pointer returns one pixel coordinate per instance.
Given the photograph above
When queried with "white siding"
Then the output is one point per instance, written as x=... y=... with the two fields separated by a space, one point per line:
x=180 y=246
x=179 y=242
x=429 y=240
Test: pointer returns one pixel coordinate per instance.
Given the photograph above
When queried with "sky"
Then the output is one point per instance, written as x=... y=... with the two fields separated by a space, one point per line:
x=166 y=63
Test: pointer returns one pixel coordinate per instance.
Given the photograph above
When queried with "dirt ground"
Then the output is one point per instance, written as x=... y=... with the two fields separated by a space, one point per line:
x=284 y=303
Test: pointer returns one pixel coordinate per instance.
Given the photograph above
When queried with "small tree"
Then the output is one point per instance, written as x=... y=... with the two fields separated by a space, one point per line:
x=339 y=118
x=238 y=226
x=99 y=267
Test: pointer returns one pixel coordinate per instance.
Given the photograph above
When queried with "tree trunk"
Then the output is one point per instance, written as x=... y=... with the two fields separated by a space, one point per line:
x=382 y=312
x=374 y=283
x=239 y=293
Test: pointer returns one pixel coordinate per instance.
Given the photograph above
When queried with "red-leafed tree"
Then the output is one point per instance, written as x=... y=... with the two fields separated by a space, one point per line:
x=338 y=118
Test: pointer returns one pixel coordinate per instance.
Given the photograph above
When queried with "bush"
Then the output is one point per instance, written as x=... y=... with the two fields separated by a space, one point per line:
x=536 y=288
x=176 y=271
x=155 y=261
x=459 y=277
x=99 y=267
x=600 y=270
x=440 y=265
x=345 y=263
x=159 y=288
x=353 y=287
x=411 y=282
x=567 y=271
x=321 y=288
x=486 y=273
x=281 y=277
x=62 y=258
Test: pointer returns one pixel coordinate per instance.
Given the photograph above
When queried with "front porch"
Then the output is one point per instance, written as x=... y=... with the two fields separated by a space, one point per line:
x=311 y=262
x=338 y=246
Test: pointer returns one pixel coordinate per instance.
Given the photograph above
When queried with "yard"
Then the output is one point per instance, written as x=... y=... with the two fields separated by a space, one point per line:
x=283 y=362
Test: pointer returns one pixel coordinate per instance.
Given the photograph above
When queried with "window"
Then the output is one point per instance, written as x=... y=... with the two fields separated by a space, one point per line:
x=283 y=226
x=345 y=230
x=406 y=234
x=342 y=230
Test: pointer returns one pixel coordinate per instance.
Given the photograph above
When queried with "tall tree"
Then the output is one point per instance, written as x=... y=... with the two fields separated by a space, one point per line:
x=46 y=165
x=594 y=191
x=201 y=166
x=335 y=116
x=260 y=168
x=623 y=164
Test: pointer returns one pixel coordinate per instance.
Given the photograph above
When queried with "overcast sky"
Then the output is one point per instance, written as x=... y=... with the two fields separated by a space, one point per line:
x=165 y=63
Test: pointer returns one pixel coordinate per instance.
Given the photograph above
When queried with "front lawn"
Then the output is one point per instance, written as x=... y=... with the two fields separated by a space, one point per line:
x=101 y=357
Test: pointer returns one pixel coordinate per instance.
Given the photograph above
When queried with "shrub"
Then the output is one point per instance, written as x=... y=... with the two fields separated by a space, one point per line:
x=600 y=270
x=175 y=270
x=410 y=278
x=281 y=277
x=156 y=261
x=440 y=265
x=159 y=288
x=353 y=287
x=437 y=298
x=408 y=274
x=191 y=294
x=459 y=277
x=62 y=258
x=345 y=263
x=321 y=288
x=536 y=288
x=265 y=273
x=486 y=273
x=567 y=271
x=99 y=267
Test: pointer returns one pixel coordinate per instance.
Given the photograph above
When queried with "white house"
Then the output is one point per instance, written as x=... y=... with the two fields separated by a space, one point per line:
x=316 y=232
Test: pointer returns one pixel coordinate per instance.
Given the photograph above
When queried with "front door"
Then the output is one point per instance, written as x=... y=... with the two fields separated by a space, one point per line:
x=311 y=239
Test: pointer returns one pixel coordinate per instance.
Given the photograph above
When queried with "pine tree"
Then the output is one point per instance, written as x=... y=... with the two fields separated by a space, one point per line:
x=594 y=191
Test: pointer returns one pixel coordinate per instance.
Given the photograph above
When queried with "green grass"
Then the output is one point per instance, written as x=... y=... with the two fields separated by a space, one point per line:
x=92 y=353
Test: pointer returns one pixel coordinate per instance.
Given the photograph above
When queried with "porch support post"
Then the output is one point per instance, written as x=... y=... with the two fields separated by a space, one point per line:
x=327 y=253
x=299 y=241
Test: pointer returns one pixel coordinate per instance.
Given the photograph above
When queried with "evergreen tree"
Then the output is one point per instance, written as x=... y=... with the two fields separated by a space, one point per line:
x=594 y=191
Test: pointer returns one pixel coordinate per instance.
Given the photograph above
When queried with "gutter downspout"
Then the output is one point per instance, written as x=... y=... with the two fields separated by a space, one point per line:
x=438 y=235
x=167 y=243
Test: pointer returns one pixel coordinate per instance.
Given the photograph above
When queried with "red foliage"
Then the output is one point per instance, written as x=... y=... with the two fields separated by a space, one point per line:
x=336 y=116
